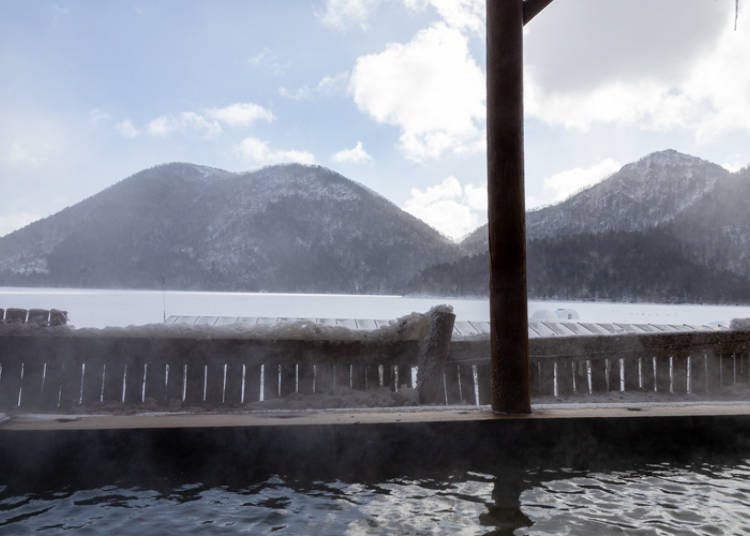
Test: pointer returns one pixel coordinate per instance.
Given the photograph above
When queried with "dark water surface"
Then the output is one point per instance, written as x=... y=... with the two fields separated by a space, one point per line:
x=694 y=496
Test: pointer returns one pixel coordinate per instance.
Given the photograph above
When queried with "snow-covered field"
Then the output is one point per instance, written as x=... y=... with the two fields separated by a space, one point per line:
x=102 y=308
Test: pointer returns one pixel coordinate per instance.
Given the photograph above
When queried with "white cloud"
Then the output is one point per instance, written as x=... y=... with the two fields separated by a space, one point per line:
x=345 y=14
x=21 y=156
x=160 y=126
x=240 y=114
x=476 y=197
x=430 y=87
x=463 y=14
x=450 y=207
x=355 y=155
x=562 y=185
x=265 y=58
x=647 y=104
x=258 y=152
x=208 y=122
x=16 y=220
x=165 y=125
x=466 y=15
x=687 y=70
x=732 y=167
x=709 y=101
x=127 y=129
x=460 y=14
x=326 y=87
x=721 y=83
x=98 y=116
x=261 y=57
x=29 y=142
x=582 y=44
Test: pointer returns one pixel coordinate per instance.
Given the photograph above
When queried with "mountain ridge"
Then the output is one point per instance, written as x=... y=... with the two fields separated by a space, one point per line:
x=298 y=228
x=608 y=241
x=624 y=201
x=287 y=227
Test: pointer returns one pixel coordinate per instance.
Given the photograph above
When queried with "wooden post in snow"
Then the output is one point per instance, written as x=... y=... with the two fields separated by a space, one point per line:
x=433 y=354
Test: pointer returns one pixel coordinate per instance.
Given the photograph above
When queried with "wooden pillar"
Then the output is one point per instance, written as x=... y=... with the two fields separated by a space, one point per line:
x=506 y=208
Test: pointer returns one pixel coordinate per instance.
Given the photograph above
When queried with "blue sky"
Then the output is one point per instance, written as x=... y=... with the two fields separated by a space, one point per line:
x=388 y=92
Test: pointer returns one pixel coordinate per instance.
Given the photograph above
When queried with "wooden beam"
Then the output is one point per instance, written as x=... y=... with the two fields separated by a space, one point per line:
x=532 y=8
x=510 y=390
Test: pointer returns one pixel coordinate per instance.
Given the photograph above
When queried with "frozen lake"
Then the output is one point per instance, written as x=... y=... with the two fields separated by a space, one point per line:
x=101 y=308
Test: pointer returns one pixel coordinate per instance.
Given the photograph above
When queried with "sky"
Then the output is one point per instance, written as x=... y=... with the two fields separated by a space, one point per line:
x=390 y=93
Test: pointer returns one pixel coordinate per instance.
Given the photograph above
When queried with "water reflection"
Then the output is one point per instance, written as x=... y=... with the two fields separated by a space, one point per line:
x=661 y=497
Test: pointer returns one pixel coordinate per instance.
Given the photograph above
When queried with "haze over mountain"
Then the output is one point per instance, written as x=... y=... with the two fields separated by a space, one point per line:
x=183 y=226
x=641 y=195
x=669 y=227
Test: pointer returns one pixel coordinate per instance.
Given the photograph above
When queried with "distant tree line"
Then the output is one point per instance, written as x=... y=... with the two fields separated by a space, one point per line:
x=621 y=266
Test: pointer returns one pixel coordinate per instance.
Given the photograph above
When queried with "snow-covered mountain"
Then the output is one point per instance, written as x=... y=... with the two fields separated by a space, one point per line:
x=669 y=227
x=715 y=231
x=282 y=228
x=642 y=195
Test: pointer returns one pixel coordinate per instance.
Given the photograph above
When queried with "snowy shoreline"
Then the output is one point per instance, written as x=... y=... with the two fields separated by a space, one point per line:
x=92 y=308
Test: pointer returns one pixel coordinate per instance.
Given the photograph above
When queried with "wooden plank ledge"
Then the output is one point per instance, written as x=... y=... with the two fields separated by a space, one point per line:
x=369 y=416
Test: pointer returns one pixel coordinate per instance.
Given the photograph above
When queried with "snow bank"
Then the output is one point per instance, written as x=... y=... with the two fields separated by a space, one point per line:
x=413 y=326
x=740 y=324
